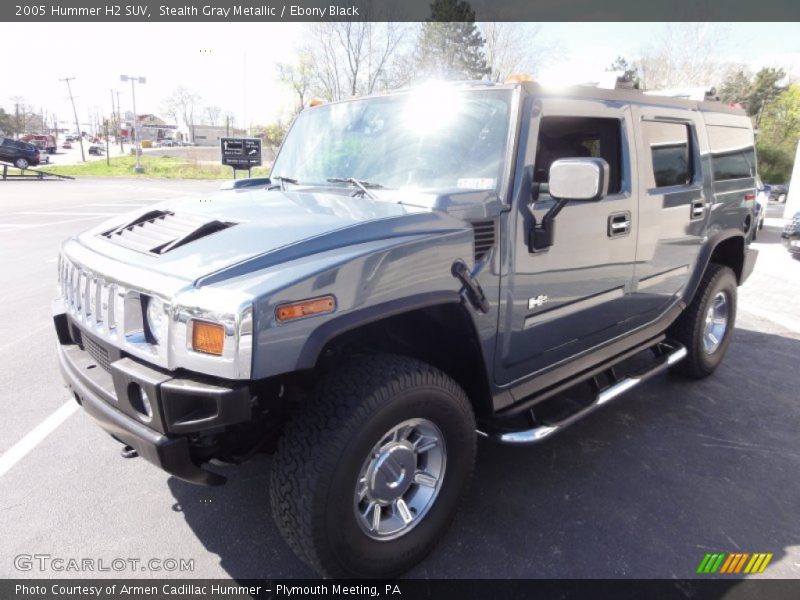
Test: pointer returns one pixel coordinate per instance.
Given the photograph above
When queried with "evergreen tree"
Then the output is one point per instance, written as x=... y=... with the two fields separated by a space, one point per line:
x=450 y=44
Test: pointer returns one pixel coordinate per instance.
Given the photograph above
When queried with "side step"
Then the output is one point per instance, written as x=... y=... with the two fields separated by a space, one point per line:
x=671 y=353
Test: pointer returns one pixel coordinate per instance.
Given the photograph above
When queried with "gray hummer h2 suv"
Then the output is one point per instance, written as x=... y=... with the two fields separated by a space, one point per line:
x=420 y=269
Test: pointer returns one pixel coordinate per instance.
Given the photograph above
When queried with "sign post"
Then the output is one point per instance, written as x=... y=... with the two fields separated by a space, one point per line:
x=241 y=153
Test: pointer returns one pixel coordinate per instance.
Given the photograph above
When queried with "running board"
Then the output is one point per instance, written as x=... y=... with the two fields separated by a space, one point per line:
x=672 y=353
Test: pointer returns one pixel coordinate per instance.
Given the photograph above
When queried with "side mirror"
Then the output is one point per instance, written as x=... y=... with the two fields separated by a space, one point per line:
x=570 y=180
x=579 y=179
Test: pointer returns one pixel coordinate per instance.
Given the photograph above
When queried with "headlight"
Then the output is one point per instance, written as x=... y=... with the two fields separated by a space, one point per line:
x=155 y=318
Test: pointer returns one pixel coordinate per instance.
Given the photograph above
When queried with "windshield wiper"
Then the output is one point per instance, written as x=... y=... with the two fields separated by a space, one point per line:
x=362 y=185
x=284 y=180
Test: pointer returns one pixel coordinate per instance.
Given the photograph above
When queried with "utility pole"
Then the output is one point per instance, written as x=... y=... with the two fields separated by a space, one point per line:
x=75 y=113
x=119 y=122
x=141 y=80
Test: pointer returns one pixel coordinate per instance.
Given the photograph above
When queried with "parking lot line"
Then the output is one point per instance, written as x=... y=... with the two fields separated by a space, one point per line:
x=67 y=214
x=18 y=451
x=24 y=226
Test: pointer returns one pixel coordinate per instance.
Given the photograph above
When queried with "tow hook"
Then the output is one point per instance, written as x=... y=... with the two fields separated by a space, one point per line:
x=472 y=288
x=128 y=452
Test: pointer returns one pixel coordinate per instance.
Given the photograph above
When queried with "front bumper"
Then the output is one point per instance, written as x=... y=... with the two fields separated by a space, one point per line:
x=183 y=408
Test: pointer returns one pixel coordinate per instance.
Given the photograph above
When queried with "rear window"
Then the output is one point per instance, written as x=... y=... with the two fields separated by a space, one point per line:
x=670 y=152
x=732 y=152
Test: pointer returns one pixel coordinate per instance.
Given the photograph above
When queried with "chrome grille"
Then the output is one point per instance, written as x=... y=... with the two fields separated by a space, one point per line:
x=89 y=298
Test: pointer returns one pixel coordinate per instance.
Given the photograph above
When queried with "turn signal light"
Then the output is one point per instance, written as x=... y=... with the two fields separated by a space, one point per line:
x=305 y=308
x=518 y=78
x=208 y=338
x=315 y=102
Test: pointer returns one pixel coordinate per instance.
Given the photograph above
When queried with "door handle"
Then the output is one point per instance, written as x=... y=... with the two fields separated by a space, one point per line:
x=619 y=224
x=698 y=209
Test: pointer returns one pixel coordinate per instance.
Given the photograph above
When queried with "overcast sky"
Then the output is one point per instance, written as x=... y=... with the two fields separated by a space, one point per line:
x=231 y=65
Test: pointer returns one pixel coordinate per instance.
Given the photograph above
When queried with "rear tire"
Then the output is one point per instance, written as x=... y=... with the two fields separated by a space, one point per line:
x=21 y=163
x=706 y=326
x=353 y=446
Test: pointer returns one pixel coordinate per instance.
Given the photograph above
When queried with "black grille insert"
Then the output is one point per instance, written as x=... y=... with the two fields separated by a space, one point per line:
x=97 y=352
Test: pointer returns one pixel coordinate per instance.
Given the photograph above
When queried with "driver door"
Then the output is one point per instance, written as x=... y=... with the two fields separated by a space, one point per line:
x=574 y=295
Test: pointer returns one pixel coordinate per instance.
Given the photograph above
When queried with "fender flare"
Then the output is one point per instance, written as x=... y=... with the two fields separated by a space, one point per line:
x=704 y=258
x=329 y=330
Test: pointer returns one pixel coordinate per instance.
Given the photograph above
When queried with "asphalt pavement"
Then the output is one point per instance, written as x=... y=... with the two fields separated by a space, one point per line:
x=643 y=488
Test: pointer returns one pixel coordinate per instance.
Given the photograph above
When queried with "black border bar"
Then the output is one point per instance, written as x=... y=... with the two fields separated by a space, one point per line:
x=413 y=589
x=393 y=10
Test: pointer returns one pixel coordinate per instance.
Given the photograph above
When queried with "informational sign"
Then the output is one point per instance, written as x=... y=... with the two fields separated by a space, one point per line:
x=241 y=153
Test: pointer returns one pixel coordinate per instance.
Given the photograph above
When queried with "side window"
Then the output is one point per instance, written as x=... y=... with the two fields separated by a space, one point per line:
x=670 y=152
x=573 y=137
x=732 y=153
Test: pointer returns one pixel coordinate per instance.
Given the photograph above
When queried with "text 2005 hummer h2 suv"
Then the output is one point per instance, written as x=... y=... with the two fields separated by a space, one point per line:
x=420 y=269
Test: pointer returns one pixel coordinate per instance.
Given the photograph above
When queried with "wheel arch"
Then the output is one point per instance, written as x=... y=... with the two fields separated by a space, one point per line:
x=724 y=248
x=435 y=328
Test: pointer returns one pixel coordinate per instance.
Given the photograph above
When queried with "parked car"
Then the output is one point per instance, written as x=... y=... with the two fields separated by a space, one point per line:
x=20 y=154
x=790 y=237
x=96 y=150
x=465 y=253
x=779 y=193
x=67 y=145
x=762 y=203
x=44 y=156
x=167 y=143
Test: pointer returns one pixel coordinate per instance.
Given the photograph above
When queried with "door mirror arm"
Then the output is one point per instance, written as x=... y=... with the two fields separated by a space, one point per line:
x=570 y=179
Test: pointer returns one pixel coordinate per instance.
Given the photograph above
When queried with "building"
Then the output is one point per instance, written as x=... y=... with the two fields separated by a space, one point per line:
x=210 y=135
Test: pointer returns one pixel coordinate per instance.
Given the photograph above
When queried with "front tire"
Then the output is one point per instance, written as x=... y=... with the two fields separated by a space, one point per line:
x=706 y=326
x=368 y=473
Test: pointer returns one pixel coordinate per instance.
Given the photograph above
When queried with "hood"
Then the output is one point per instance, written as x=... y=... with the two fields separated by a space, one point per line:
x=238 y=231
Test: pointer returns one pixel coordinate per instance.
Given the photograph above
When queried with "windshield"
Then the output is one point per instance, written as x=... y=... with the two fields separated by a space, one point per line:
x=442 y=138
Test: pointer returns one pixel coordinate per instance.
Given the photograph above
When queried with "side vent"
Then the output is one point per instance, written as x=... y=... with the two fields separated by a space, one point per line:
x=484 y=238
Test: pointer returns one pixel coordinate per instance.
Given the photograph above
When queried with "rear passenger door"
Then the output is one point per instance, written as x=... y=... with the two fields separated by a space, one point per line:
x=673 y=207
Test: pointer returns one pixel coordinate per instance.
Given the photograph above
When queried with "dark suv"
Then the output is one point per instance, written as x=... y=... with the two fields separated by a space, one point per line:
x=20 y=154
x=421 y=268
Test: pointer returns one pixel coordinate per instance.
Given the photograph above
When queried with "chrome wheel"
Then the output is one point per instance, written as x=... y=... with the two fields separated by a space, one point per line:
x=716 y=324
x=400 y=479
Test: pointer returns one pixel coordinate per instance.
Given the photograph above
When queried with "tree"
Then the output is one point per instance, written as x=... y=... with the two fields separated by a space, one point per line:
x=685 y=56
x=299 y=77
x=7 y=124
x=764 y=90
x=736 y=88
x=778 y=135
x=182 y=106
x=511 y=48
x=212 y=115
x=630 y=72
x=450 y=44
x=345 y=59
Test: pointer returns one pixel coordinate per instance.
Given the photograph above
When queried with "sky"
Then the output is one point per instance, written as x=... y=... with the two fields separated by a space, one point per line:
x=232 y=65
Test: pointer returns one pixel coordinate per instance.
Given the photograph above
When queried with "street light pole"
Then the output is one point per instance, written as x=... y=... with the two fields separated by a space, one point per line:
x=138 y=147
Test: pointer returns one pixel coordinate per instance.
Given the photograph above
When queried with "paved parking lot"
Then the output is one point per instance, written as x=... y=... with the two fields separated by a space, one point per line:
x=643 y=488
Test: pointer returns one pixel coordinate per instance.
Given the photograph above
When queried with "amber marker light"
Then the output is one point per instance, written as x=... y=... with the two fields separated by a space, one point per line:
x=208 y=338
x=305 y=308
x=518 y=78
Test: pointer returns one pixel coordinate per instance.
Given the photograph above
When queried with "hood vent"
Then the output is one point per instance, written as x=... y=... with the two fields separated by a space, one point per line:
x=484 y=238
x=159 y=231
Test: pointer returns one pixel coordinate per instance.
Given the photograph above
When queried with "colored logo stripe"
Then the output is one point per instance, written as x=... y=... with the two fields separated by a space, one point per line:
x=734 y=563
